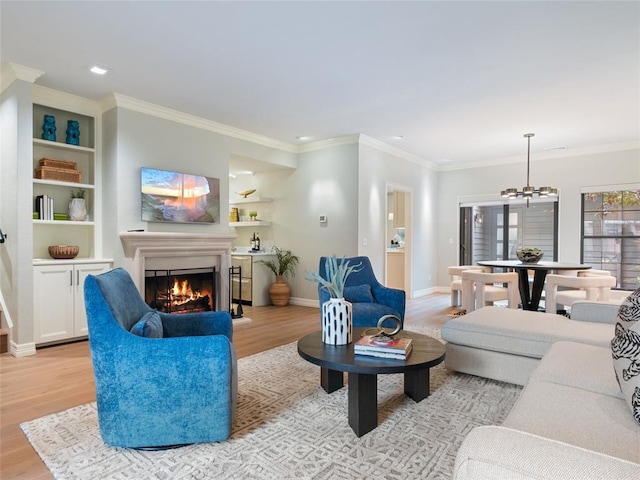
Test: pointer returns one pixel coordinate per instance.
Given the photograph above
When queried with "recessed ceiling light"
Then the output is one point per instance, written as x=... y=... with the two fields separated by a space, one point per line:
x=558 y=147
x=241 y=172
x=303 y=137
x=446 y=160
x=398 y=137
x=98 y=70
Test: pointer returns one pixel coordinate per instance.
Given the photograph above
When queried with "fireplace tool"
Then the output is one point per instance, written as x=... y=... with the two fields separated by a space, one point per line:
x=235 y=272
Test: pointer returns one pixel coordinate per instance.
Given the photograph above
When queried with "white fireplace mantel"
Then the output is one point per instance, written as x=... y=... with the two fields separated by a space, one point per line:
x=166 y=250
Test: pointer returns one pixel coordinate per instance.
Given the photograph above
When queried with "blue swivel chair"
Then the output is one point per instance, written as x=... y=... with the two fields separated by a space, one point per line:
x=369 y=298
x=161 y=379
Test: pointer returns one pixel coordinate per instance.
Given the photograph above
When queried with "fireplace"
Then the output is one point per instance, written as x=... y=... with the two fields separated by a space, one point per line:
x=172 y=251
x=181 y=290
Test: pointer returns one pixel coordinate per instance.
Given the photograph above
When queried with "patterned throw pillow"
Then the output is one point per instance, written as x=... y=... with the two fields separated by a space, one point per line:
x=150 y=326
x=625 y=348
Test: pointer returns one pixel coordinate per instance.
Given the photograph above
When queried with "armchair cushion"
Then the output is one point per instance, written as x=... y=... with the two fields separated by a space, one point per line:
x=358 y=294
x=150 y=325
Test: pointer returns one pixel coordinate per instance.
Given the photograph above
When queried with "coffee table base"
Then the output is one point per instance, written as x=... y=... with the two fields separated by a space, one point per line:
x=363 y=394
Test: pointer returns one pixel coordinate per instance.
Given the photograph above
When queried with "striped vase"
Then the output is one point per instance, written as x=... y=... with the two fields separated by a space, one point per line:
x=337 y=325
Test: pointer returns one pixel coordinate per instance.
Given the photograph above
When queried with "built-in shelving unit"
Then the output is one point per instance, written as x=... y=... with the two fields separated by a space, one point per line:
x=65 y=232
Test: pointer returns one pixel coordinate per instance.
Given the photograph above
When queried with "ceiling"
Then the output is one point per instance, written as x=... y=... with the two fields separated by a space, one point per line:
x=461 y=82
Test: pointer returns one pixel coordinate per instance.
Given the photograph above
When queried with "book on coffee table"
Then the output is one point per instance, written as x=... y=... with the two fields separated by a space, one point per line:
x=384 y=347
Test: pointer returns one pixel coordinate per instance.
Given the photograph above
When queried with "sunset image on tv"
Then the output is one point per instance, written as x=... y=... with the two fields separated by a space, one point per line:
x=179 y=197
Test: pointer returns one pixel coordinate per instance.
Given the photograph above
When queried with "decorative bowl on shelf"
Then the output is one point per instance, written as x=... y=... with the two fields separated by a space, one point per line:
x=529 y=255
x=64 y=251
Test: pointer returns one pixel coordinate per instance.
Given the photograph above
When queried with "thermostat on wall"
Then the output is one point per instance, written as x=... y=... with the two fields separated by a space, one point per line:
x=323 y=218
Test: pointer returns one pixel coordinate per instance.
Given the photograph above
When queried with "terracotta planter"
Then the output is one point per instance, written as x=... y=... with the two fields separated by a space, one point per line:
x=279 y=292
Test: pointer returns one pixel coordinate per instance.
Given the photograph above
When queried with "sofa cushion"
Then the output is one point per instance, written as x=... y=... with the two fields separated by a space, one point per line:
x=578 y=365
x=577 y=416
x=358 y=293
x=625 y=348
x=522 y=332
x=150 y=325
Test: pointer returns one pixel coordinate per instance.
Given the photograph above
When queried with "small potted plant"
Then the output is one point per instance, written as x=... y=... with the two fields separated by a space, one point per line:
x=284 y=264
x=77 y=206
x=337 y=324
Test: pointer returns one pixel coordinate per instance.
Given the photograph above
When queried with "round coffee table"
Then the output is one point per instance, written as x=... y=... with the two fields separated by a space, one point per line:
x=363 y=372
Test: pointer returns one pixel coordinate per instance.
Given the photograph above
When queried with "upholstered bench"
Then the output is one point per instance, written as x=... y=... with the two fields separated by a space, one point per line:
x=506 y=344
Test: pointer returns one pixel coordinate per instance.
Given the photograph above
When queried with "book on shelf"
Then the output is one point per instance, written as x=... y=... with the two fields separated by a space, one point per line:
x=384 y=347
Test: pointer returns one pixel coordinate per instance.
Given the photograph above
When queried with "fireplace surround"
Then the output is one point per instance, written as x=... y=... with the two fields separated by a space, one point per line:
x=170 y=250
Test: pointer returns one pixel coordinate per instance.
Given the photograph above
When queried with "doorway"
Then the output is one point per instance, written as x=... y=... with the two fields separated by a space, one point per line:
x=398 y=238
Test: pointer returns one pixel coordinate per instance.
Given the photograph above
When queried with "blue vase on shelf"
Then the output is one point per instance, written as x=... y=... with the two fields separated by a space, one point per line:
x=49 y=128
x=73 y=132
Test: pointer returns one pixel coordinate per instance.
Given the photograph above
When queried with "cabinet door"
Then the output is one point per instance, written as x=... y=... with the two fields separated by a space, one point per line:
x=53 y=303
x=80 y=274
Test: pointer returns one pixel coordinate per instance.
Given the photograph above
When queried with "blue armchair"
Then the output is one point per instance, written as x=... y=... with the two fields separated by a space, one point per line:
x=173 y=381
x=369 y=298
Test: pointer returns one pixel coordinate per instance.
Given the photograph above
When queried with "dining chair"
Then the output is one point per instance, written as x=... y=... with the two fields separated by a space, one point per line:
x=455 y=273
x=479 y=289
x=565 y=290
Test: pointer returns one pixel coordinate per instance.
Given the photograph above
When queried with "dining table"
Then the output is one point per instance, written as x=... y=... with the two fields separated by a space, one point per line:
x=531 y=294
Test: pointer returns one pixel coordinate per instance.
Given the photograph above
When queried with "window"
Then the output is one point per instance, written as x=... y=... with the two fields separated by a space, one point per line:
x=611 y=234
x=484 y=235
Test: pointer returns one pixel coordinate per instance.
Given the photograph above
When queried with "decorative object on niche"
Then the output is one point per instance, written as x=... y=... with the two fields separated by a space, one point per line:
x=64 y=251
x=73 y=132
x=179 y=197
x=529 y=191
x=529 y=255
x=233 y=215
x=253 y=215
x=49 y=128
x=284 y=264
x=337 y=315
x=246 y=193
x=77 y=206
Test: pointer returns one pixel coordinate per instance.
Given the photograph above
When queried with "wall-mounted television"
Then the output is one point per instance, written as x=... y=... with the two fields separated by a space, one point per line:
x=179 y=197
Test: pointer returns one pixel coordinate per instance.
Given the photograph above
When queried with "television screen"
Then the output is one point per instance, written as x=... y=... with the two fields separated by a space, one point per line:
x=179 y=197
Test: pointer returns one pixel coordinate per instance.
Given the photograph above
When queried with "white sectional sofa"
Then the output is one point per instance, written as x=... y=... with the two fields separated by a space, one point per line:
x=571 y=420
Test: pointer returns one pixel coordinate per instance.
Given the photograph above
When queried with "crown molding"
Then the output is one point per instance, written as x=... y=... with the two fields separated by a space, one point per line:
x=395 y=151
x=552 y=155
x=56 y=99
x=329 y=142
x=129 y=103
x=12 y=72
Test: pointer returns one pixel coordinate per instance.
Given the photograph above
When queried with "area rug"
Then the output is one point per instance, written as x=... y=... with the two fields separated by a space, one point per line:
x=288 y=427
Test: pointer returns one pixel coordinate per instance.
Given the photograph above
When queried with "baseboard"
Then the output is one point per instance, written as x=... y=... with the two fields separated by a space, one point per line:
x=22 y=349
x=304 y=302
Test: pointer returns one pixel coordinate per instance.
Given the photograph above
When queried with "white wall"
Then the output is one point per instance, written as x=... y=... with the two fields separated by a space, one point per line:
x=569 y=174
x=377 y=168
x=133 y=140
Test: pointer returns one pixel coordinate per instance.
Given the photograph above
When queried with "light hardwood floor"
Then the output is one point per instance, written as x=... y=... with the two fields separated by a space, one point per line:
x=61 y=377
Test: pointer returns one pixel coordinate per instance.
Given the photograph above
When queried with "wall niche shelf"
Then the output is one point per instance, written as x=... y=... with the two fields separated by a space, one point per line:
x=239 y=201
x=256 y=223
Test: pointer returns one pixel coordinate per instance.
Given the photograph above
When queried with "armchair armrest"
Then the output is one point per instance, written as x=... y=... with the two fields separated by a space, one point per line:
x=197 y=324
x=392 y=297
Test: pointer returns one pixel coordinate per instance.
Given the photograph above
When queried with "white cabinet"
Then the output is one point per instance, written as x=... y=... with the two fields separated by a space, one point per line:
x=58 y=294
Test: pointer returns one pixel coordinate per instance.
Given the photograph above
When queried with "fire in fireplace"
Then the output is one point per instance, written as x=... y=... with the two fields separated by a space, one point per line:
x=181 y=290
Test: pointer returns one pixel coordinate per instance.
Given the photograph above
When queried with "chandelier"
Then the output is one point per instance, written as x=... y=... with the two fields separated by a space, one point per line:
x=529 y=191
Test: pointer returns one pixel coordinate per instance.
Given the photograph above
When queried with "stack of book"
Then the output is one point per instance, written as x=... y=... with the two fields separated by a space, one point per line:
x=44 y=206
x=383 y=347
